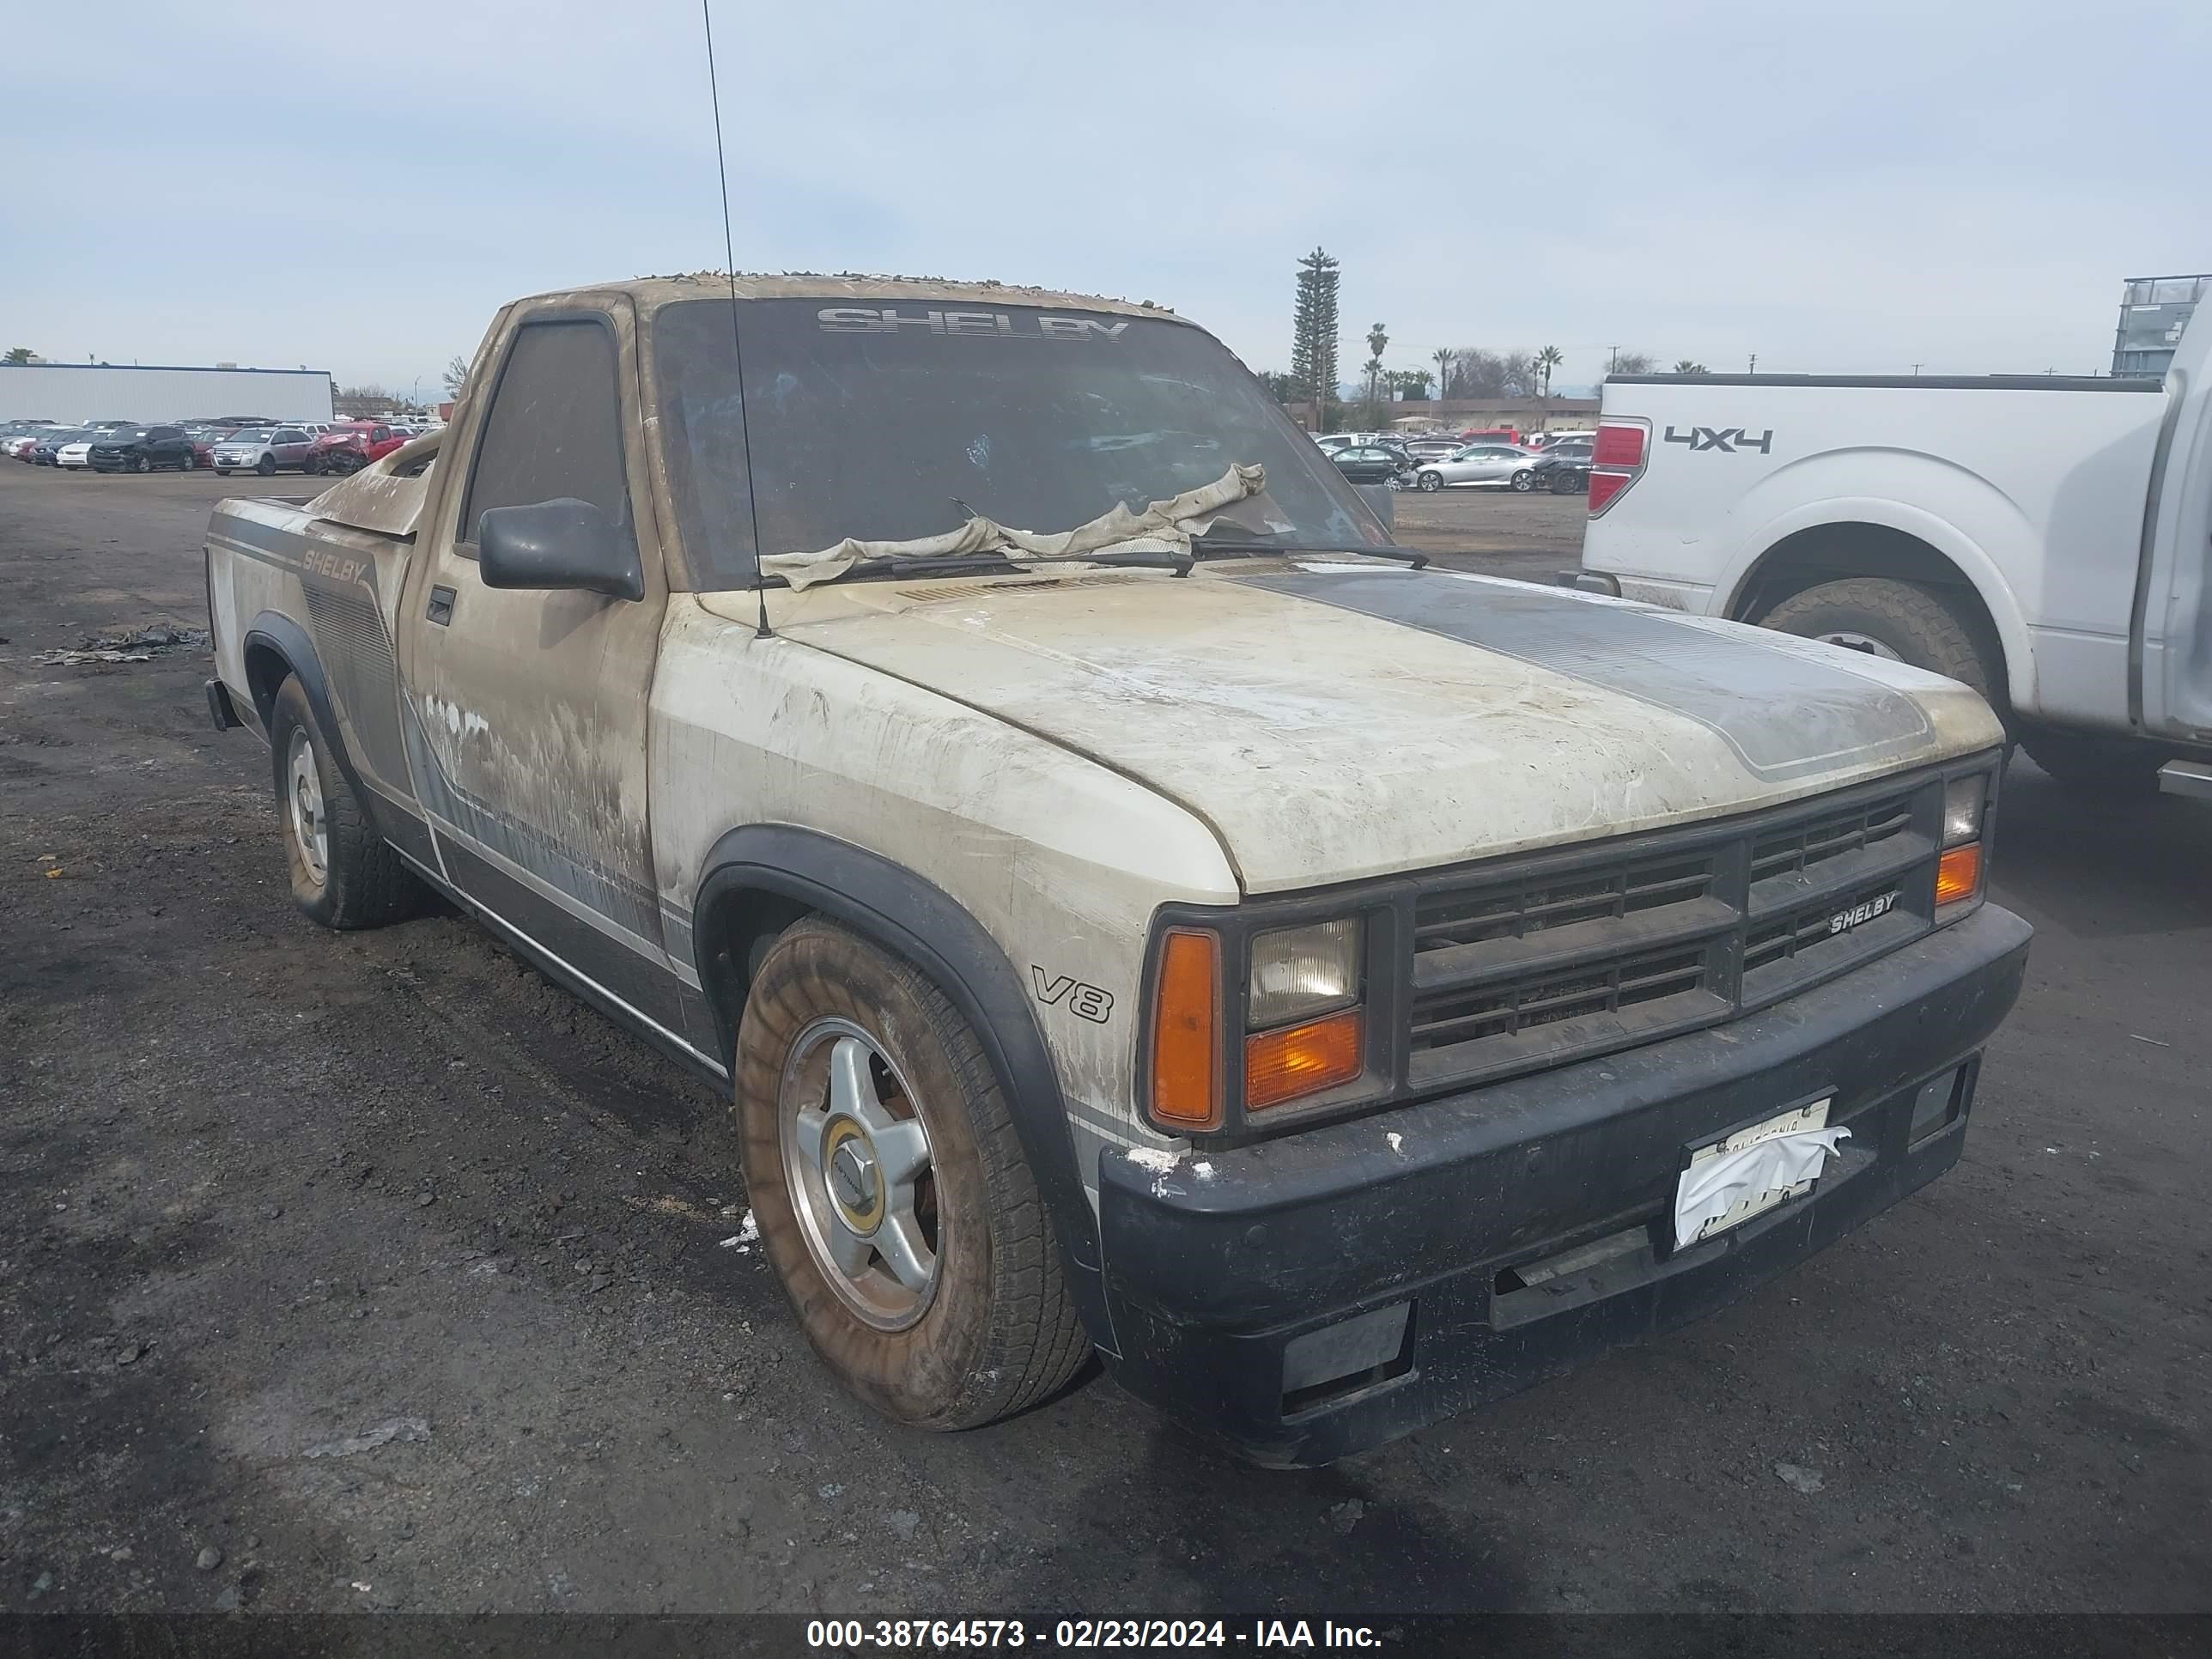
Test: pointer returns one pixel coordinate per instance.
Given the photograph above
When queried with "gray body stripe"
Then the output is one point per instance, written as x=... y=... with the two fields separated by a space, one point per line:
x=1785 y=714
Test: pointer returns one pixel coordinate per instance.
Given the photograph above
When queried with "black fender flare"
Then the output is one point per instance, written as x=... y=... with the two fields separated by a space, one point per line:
x=274 y=631
x=918 y=920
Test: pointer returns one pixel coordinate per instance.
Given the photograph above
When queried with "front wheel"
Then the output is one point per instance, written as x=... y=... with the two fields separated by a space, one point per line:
x=1432 y=481
x=144 y=463
x=1563 y=484
x=890 y=1191
x=266 y=466
x=1524 y=481
x=344 y=874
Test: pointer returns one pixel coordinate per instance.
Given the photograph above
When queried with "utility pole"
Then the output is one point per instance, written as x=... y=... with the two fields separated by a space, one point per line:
x=1754 y=370
x=1612 y=359
x=1916 y=371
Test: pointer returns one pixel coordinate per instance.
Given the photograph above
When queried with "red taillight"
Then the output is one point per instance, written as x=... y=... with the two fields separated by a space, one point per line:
x=1619 y=444
x=1616 y=460
x=1603 y=487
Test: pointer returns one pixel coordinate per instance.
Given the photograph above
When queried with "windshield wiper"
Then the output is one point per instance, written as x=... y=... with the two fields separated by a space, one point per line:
x=1203 y=546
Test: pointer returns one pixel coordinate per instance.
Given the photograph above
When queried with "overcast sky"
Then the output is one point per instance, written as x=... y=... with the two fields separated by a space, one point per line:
x=1846 y=188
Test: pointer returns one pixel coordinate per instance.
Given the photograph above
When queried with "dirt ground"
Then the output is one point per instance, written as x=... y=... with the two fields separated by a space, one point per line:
x=375 y=1271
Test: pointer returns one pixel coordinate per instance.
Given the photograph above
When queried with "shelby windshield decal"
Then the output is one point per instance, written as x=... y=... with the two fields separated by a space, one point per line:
x=1843 y=921
x=889 y=319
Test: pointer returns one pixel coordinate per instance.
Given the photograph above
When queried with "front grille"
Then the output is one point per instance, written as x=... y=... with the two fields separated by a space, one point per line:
x=1565 y=955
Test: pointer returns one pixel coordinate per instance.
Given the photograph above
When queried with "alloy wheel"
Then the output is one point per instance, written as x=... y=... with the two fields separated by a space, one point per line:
x=856 y=1158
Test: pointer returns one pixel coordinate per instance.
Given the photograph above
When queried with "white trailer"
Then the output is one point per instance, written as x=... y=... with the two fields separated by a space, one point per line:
x=108 y=391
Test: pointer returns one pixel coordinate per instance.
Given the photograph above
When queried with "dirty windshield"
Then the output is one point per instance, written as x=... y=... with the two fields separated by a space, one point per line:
x=882 y=423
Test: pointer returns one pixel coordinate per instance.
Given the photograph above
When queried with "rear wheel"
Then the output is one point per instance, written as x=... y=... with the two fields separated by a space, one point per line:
x=187 y=462
x=1901 y=621
x=344 y=874
x=891 y=1190
x=1524 y=481
x=2110 y=766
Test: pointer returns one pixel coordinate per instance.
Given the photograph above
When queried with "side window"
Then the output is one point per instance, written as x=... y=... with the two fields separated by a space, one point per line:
x=290 y=435
x=378 y=435
x=554 y=427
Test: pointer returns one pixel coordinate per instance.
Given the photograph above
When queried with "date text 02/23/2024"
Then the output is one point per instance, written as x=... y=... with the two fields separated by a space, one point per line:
x=938 y=1635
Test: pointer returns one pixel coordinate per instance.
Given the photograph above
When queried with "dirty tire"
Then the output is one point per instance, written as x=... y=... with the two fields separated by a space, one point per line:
x=999 y=1332
x=1916 y=622
x=2109 y=766
x=364 y=883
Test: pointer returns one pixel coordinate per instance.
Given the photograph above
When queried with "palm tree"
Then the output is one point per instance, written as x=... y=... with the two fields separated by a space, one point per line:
x=1684 y=366
x=1444 y=357
x=1547 y=360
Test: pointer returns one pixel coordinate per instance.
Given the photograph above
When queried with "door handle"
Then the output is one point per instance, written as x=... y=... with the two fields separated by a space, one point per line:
x=441 y=607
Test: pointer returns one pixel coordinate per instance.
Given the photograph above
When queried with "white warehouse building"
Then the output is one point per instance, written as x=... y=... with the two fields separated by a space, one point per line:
x=107 y=391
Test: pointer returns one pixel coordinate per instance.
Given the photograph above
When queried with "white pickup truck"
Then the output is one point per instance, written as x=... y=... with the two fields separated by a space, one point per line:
x=2048 y=541
x=1128 y=903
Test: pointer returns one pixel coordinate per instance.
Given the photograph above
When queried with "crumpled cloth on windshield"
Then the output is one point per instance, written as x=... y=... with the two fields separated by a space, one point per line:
x=1168 y=526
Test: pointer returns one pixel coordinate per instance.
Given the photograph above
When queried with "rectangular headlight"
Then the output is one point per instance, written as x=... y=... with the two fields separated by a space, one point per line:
x=1299 y=972
x=1963 y=800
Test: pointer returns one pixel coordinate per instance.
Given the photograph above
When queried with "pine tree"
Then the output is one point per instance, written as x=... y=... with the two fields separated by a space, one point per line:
x=1313 y=331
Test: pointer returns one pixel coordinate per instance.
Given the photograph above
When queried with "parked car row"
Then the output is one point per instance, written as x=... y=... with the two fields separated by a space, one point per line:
x=227 y=446
x=1563 y=468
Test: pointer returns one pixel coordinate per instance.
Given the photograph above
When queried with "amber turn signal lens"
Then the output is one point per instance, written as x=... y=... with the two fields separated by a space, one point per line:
x=1187 y=1031
x=1959 y=873
x=1280 y=1066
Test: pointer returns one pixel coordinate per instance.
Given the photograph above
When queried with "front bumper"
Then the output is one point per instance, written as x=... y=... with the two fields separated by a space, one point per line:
x=1234 y=1276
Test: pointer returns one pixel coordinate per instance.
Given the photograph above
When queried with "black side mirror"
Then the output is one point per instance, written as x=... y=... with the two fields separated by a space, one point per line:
x=561 y=543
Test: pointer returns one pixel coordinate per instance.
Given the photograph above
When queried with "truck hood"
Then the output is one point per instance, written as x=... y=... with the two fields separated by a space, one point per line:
x=1331 y=721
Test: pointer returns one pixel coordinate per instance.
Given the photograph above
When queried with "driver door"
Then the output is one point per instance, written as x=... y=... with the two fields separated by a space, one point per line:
x=529 y=708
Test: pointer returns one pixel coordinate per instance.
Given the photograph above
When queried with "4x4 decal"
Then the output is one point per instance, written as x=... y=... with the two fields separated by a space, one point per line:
x=1728 y=438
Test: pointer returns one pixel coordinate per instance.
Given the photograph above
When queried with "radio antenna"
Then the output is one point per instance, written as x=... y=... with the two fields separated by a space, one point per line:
x=736 y=346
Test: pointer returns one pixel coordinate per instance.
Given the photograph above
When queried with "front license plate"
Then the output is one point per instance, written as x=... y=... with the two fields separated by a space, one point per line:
x=1695 y=1220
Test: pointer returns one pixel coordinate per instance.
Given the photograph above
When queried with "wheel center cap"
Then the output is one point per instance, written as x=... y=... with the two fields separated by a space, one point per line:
x=855 y=1184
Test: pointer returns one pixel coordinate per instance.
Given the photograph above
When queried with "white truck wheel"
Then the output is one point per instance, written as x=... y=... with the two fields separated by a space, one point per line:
x=1899 y=620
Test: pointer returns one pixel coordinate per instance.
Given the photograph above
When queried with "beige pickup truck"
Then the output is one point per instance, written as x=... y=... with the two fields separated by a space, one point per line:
x=1130 y=904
